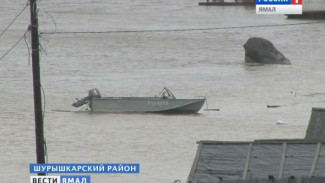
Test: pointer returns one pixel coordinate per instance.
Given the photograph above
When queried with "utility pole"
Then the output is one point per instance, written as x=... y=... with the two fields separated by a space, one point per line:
x=39 y=131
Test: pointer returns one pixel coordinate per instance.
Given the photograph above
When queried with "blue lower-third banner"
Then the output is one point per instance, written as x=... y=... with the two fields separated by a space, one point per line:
x=84 y=168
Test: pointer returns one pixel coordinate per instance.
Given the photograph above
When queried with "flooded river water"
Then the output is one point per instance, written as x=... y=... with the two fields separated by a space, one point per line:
x=135 y=48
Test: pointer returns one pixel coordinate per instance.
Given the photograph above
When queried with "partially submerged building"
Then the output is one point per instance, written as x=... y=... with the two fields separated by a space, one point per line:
x=264 y=161
x=312 y=9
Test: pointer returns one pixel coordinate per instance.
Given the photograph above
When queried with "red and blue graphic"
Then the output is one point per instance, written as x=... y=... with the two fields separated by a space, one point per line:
x=296 y=2
x=278 y=2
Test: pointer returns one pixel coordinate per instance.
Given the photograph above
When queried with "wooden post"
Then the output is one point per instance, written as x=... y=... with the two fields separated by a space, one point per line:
x=283 y=159
x=195 y=163
x=40 y=149
x=248 y=160
x=313 y=166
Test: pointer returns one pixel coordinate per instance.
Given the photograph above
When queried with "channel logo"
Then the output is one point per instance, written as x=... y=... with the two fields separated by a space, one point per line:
x=288 y=7
x=60 y=179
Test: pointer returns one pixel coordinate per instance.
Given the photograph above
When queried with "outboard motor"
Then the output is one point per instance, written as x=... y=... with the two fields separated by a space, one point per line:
x=93 y=93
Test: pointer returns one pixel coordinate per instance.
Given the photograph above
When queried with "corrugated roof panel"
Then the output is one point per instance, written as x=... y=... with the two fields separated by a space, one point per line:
x=237 y=161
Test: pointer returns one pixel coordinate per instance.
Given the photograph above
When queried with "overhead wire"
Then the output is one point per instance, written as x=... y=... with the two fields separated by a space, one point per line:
x=28 y=48
x=179 y=30
x=43 y=115
x=51 y=17
x=14 y=45
x=42 y=48
x=8 y=26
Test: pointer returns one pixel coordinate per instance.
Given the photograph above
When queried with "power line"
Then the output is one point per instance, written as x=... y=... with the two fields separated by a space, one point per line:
x=180 y=30
x=10 y=49
x=27 y=4
x=27 y=45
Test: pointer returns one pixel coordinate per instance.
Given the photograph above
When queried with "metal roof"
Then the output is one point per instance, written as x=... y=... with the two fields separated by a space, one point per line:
x=257 y=160
x=261 y=160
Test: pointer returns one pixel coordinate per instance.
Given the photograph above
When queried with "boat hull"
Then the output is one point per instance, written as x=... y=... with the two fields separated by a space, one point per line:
x=145 y=104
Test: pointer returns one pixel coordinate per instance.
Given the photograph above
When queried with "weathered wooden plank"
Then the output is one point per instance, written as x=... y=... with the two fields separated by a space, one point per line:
x=313 y=167
x=248 y=159
x=283 y=157
x=195 y=163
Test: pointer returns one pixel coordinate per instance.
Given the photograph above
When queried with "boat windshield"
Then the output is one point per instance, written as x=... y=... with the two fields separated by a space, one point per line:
x=166 y=94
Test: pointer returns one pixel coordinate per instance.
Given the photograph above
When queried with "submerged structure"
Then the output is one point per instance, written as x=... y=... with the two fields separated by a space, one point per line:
x=264 y=161
x=260 y=50
x=165 y=102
